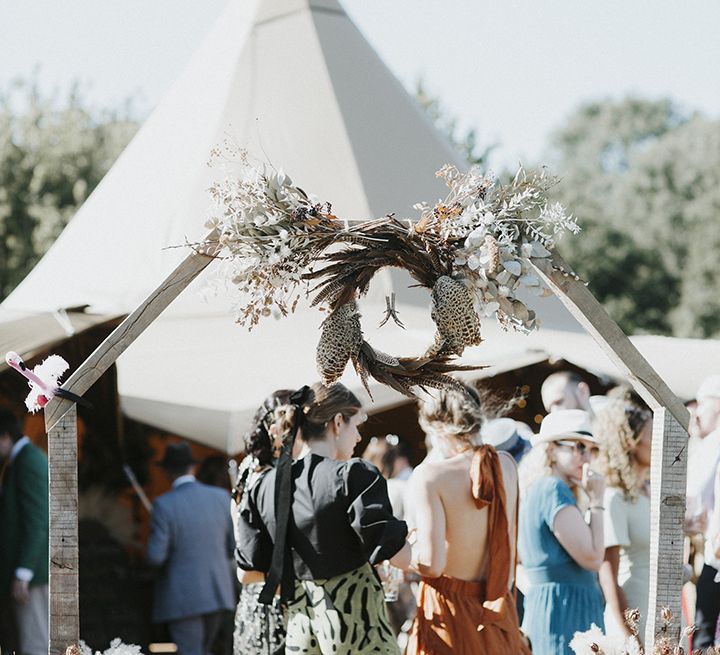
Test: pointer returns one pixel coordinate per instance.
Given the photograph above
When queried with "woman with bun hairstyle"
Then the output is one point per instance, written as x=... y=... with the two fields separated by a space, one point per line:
x=259 y=628
x=465 y=508
x=315 y=526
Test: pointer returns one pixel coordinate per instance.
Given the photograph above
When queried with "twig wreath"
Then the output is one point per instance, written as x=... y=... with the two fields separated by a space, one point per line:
x=473 y=251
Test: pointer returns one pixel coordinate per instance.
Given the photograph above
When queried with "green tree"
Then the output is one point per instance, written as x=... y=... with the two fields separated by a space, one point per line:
x=643 y=180
x=52 y=155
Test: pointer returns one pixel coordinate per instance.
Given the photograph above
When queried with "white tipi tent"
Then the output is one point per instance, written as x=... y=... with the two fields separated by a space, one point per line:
x=295 y=82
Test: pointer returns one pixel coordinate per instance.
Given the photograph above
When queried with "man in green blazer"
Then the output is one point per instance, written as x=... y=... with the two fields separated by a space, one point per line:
x=24 y=533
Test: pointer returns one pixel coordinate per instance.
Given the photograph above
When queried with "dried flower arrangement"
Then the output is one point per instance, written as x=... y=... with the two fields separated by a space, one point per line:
x=594 y=642
x=473 y=250
x=117 y=647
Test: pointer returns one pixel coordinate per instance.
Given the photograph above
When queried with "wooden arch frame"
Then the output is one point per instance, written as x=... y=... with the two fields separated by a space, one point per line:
x=668 y=470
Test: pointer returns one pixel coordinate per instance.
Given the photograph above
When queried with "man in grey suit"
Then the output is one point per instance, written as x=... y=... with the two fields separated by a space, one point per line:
x=191 y=541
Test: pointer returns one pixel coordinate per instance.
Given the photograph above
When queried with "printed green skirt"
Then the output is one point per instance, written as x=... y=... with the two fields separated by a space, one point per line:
x=343 y=615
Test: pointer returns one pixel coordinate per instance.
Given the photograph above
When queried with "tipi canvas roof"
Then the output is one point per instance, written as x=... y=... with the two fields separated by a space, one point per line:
x=295 y=83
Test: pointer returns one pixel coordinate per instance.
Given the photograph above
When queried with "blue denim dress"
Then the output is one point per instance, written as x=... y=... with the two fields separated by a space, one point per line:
x=562 y=597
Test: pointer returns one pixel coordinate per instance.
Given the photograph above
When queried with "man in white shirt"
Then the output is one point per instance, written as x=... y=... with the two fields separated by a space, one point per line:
x=703 y=462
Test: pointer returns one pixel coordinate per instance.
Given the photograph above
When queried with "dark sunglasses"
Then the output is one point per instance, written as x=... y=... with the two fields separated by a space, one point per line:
x=578 y=446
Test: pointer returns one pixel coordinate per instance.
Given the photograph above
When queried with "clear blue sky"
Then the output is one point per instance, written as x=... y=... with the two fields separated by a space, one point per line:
x=511 y=69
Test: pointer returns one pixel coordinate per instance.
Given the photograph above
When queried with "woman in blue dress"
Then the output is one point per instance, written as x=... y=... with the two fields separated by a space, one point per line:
x=560 y=552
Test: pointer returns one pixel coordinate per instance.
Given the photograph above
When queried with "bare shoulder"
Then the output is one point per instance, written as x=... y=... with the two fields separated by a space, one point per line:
x=426 y=473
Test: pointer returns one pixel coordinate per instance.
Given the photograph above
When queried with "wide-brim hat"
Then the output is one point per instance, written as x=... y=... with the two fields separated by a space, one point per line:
x=177 y=455
x=571 y=424
x=500 y=433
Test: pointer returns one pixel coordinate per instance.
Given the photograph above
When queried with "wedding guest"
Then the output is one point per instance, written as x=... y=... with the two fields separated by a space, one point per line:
x=259 y=627
x=703 y=465
x=465 y=509
x=375 y=453
x=317 y=525
x=560 y=552
x=191 y=544
x=24 y=534
x=624 y=433
x=392 y=456
x=399 y=457
x=565 y=390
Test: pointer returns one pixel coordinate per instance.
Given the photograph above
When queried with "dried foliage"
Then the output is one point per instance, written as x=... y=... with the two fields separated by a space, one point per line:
x=667 y=641
x=473 y=251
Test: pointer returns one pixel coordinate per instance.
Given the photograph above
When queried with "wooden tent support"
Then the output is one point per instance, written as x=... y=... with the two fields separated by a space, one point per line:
x=61 y=426
x=669 y=458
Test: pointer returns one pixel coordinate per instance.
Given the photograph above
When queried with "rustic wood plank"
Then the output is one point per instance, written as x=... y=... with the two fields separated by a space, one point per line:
x=132 y=327
x=667 y=497
x=575 y=295
x=64 y=571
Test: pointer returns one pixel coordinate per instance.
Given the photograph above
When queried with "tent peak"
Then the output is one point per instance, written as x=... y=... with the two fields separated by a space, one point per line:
x=269 y=10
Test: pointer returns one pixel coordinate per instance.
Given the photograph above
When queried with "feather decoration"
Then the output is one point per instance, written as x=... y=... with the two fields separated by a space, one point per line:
x=43 y=380
x=405 y=374
x=383 y=242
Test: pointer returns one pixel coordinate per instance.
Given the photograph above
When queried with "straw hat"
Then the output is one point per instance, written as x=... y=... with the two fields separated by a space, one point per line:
x=565 y=424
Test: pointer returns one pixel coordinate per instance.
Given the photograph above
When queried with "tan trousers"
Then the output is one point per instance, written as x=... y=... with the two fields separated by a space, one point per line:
x=32 y=622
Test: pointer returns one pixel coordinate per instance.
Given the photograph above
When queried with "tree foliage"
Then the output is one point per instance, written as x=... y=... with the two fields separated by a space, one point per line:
x=52 y=155
x=644 y=182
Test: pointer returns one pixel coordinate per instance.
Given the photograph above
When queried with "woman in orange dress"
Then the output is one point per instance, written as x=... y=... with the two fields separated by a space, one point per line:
x=465 y=513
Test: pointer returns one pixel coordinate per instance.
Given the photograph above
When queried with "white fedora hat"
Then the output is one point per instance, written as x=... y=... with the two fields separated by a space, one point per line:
x=565 y=424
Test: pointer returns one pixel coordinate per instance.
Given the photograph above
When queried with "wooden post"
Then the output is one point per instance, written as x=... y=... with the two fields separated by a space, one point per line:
x=63 y=482
x=61 y=426
x=667 y=497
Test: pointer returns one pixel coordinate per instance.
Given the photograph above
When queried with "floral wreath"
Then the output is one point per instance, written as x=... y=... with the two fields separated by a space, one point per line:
x=473 y=250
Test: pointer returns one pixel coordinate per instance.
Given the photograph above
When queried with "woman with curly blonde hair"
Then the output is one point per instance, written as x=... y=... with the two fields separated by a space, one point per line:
x=624 y=432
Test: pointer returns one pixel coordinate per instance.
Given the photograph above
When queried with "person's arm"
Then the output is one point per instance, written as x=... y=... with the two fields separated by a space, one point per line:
x=613 y=593
x=160 y=541
x=403 y=558
x=253 y=551
x=510 y=484
x=370 y=514
x=584 y=543
x=430 y=550
x=715 y=517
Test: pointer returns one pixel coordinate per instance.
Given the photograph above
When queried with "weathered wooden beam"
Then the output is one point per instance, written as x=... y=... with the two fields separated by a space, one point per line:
x=131 y=328
x=585 y=308
x=61 y=426
x=667 y=498
x=63 y=482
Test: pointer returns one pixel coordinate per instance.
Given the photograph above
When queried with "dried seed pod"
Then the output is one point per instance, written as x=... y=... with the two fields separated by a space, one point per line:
x=340 y=341
x=495 y=264
x=457 y=322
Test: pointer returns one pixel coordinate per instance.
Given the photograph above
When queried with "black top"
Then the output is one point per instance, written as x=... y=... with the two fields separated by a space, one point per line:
x=341 y=518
